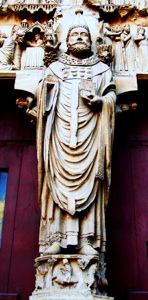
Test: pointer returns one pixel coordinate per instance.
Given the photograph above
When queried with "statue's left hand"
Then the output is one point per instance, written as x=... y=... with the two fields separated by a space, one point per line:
x=94 y=100
x=90 y=98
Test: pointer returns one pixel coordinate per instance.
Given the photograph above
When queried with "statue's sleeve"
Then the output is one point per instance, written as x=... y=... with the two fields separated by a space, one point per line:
x=108 y=94
x=46 y=102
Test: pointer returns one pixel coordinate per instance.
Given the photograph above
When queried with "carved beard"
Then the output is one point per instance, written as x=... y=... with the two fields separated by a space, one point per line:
x=79 y=49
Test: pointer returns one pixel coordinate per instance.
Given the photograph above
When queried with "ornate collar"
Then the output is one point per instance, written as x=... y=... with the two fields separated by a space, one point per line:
x=69 y=60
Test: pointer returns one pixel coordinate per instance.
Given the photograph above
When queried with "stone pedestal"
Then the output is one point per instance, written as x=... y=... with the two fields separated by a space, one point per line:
x=64 y=277
x=68 y=296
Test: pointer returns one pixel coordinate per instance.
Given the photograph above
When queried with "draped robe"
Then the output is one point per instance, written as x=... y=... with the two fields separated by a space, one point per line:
x=7 y=53
x=74 y=154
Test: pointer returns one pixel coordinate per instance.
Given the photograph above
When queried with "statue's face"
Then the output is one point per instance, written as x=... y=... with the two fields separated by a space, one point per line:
x=36 y=36
x=141 y=31
x=117 y=28
x=107 y=26
x=127 y=28
x=78 y=36
x=79 y=41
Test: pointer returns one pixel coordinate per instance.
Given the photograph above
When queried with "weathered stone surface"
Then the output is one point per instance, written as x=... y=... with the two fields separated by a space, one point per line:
x=66 y=276
x=74 y=107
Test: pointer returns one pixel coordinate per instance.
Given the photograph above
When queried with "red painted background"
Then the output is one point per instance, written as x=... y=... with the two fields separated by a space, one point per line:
x=127 y=214
x=21 y=219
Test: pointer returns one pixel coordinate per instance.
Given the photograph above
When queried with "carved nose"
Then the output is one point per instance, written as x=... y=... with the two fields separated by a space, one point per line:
x=79 y=38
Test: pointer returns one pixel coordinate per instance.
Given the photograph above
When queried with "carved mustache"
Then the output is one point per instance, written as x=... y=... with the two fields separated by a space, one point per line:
x=79 y=42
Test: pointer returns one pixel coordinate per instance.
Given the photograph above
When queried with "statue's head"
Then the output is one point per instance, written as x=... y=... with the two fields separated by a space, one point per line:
x=65 y=261
x=141 y=30
x=37 y=36
x=126 y=28
x=117 y=28
x=78 y=38
x=107 y=26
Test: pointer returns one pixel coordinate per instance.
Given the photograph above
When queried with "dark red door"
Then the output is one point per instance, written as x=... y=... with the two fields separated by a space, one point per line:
x=19 y=245
x=127 y=215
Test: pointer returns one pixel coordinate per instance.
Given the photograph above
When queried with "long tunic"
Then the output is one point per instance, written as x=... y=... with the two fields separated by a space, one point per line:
x=77 y=155
x=33 y=57
x=142 y=55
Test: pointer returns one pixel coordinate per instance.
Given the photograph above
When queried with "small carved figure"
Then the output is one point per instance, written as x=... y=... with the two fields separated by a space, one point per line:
x=41 y=272
x=105 y=53
x=112 y=39
x=83 y=262
x=36 y=42
x=7 y=50
x=51 y=44
x=51 y=39
x=65 y=272
x=90 y=277
x=108 y=34
x=142 y=51
x=64 y=275
x=128 y=49
x=34 y=52
x=19 y=40
x=118 y=63
x=102 y=281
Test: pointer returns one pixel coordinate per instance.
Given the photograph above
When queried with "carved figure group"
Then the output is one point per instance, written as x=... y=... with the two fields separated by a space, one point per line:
x=28 y=46
x=58 y=273
x=37 y=45
x=129 y=50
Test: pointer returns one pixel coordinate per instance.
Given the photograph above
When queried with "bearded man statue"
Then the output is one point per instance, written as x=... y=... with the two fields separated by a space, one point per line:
x=76 y=109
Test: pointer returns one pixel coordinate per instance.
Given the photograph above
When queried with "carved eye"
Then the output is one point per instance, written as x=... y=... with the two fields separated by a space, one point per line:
x=84 y=34
x=74 y=34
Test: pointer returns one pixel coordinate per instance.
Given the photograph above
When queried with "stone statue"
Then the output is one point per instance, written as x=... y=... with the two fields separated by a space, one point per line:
x=36 y=42
x=118 y=63
x=128 y=49
x=104 y=53
x=108 y=35
x=114 y=53
x=64 y=276
x=7 y=48
x=34 y=55
x=51 y=44
x=40 y=276
x=65 y=272
x=142 y=51
x=75 y=129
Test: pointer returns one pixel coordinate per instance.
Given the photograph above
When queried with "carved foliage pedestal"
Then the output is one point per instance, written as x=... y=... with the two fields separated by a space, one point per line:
x=63 y=277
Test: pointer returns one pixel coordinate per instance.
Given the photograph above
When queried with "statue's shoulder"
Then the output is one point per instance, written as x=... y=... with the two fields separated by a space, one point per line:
x=100 y=68
x=56 y=68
